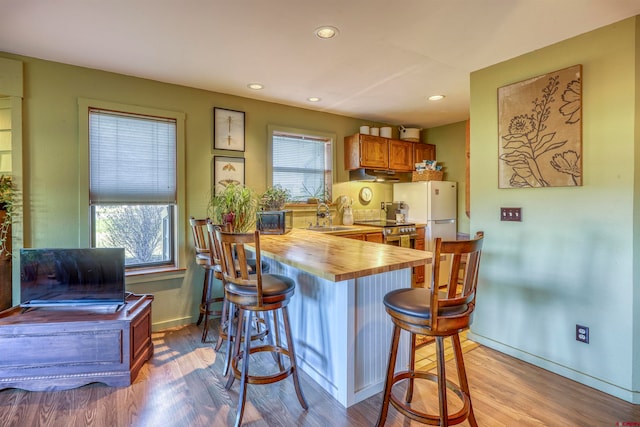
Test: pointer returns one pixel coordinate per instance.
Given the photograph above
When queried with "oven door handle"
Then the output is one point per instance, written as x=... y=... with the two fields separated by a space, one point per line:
x=396 y=237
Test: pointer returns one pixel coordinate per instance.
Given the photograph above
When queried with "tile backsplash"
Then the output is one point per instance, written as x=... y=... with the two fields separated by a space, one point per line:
x=366 y=214
x=303 y=215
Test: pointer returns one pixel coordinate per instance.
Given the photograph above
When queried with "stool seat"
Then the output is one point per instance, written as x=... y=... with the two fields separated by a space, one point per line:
x=273 y=285
x=202 y=258
x=440 y=311
x=415 y=303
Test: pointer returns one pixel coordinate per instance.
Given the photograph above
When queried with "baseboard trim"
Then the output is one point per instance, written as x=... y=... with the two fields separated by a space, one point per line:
x=172 y=323
x=603 y=386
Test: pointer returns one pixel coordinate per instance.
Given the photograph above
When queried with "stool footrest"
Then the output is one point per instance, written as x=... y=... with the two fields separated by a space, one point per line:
x=432 y=419
x=263 y=379
x=255 y=335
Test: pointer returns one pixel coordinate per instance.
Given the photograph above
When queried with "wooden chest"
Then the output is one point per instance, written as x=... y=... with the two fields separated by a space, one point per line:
x=59 y=349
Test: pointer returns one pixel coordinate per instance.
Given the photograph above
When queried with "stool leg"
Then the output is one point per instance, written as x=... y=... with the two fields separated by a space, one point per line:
x=292 y=356
x=230 y=328
x=235 y=354
x=245 y=365
x=462 y=376
x=412 y=368
x=208 y=284
x=276 y=339
x=393 y=352
x=442 y=383
x=223 y=320
x=205 y=289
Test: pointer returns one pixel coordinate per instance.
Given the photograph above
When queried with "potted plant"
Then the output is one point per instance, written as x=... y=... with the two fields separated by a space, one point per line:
x=316 y=195
x=274 y=198
x=7 y=207
x=235 y=205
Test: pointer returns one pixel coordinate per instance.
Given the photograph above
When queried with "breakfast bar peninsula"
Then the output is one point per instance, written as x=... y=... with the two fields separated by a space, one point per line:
x=341 y=330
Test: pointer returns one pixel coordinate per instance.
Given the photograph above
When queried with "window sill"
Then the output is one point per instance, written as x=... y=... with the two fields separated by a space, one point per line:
x=144 y=275
x=304 y=206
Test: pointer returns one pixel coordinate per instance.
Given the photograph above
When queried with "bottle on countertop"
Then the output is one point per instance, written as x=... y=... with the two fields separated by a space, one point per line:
x=347 y=216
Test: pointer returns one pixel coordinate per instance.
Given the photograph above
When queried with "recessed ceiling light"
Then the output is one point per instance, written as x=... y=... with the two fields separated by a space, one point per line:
x=255 y=86
x=435 y=97
x=313 y=99
x=326 y=32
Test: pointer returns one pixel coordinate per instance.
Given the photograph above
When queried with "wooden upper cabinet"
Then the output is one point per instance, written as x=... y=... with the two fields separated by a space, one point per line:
x=423 y=152
x=366 y=151
x=376 y=152
x=401 y=155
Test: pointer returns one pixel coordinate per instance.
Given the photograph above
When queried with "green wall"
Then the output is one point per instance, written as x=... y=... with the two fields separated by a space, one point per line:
x=52 y=163
x=573 y=259
x=450 y=152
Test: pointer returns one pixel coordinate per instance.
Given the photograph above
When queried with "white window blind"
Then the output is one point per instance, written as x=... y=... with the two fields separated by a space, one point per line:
x=132 y=158
x=301 y=164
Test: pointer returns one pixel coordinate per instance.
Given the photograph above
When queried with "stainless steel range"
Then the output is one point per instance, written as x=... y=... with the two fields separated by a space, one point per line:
x=394 y=233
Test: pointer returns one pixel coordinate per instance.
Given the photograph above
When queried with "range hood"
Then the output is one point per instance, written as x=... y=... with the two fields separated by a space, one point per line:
x=375 y=175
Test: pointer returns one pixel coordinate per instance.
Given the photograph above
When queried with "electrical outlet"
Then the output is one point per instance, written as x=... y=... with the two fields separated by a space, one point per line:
x=511 y=214
x=582 y=334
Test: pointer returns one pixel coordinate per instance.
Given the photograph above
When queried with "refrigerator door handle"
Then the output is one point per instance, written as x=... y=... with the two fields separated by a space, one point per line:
x=444 y=221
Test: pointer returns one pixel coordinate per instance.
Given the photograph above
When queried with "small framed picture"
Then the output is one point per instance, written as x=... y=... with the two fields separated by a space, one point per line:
x=228 y=129
x=227 y=170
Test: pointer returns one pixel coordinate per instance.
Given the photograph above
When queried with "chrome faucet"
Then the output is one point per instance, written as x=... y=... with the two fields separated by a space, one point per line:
x=322 y=214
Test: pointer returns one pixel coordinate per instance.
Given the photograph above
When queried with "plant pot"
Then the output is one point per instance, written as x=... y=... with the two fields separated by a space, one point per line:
x=228 y=219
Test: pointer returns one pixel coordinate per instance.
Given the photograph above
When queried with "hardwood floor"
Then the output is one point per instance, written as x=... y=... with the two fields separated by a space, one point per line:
x=182 y=386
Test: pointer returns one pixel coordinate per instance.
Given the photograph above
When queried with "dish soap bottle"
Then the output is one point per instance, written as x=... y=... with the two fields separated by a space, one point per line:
x=347 y=216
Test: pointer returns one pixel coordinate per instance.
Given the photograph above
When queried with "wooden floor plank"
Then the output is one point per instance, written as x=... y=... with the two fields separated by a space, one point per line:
x=182 y=386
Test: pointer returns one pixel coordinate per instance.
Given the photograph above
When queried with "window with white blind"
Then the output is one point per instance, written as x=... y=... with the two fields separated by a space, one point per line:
x=132 y=185
x=302 y=163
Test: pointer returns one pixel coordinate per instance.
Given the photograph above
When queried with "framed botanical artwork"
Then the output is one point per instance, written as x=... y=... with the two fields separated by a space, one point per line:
x=540 y=131
x=228 y=129
x=227 y=170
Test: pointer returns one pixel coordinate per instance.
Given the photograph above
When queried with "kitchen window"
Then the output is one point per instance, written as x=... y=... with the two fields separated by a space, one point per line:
x=133 y=191
x=302 y=162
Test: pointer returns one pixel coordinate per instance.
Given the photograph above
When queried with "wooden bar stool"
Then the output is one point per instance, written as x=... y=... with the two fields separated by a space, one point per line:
x=252 y=294
x=203 y=259
x=440 y=311
x=227 y=329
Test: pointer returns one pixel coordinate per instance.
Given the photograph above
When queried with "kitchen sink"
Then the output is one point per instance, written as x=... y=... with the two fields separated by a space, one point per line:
x=324 y=228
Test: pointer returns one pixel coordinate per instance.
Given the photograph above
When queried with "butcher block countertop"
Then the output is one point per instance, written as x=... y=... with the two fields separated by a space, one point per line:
x=336 y=258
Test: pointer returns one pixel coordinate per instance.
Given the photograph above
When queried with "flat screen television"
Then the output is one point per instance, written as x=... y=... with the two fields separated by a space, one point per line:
x=71 y=277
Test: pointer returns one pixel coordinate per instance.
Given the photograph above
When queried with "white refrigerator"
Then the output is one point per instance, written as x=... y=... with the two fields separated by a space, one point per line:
x=433 y=203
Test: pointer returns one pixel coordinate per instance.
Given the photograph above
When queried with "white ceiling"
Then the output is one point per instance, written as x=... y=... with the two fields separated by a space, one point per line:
x=388 y=57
